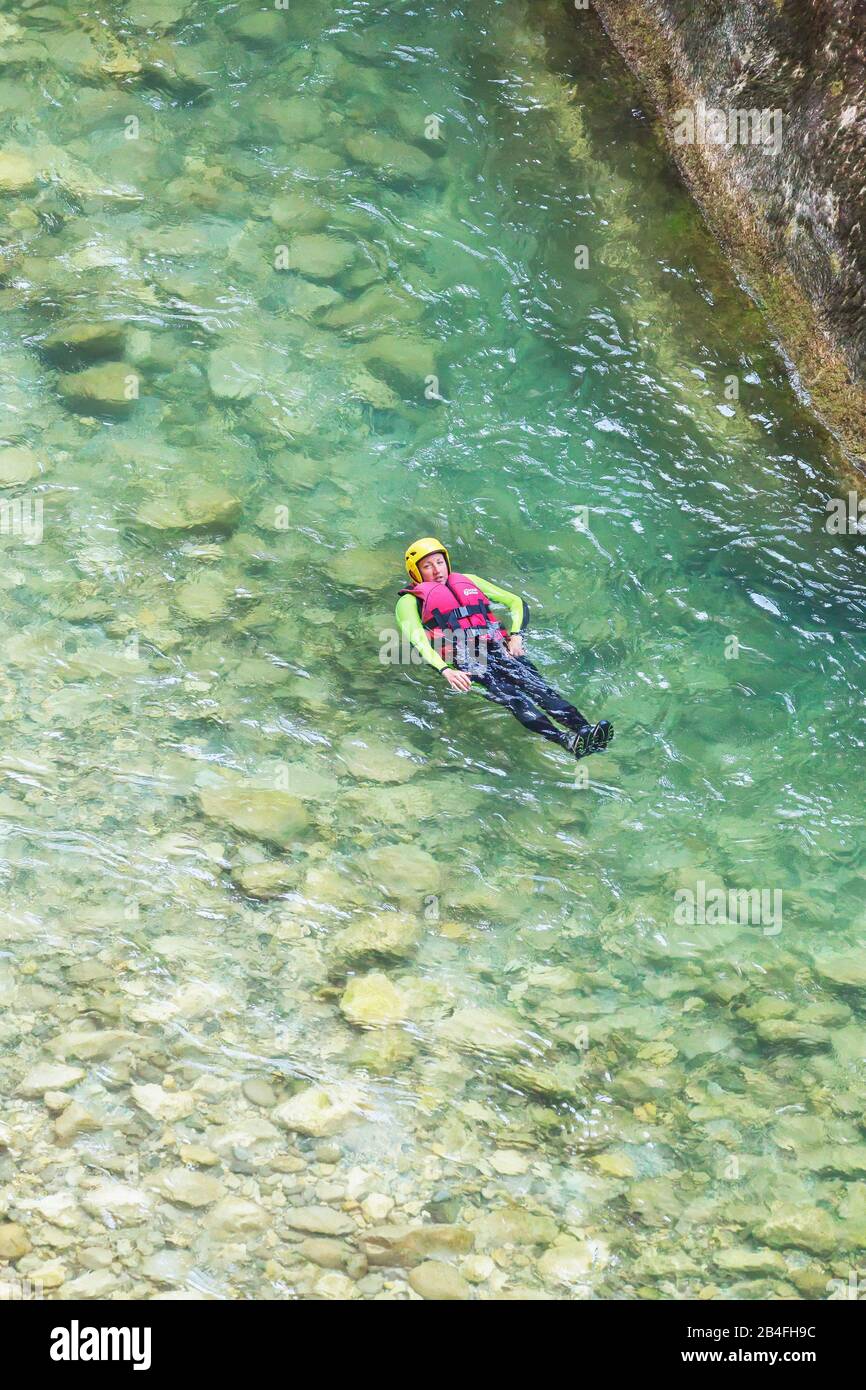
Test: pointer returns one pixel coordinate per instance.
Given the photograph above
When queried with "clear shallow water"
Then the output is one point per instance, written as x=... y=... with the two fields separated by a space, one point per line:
x=647 y=1092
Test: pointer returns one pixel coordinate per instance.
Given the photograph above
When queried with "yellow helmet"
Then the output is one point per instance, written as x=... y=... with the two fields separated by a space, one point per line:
x=427 y=545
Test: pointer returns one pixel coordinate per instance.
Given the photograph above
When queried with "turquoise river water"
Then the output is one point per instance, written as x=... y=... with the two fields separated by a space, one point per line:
x=319 y=981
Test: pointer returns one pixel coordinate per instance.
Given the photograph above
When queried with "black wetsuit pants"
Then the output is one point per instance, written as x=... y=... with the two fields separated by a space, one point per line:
x=514 y=682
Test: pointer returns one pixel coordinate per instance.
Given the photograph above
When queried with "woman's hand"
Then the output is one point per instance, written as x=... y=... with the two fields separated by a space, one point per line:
x=515 y=644
x=458 y=680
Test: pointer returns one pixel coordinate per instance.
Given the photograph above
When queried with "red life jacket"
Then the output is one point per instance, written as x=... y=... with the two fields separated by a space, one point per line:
x=455 y=606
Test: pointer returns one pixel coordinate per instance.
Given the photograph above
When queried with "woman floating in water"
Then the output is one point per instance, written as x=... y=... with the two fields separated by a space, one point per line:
x=448 y=617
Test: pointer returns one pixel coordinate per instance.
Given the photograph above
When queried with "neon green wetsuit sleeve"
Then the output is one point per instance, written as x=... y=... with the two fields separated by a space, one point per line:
x=512 y=602
x=408 y=615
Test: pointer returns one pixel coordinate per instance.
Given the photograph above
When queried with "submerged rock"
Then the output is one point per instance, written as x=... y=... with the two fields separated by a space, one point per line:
x=296 y=118
x=308 y=161
x=118 y=1202
x=827 y=1013
x=742 y=1260
x=662 y=1262
x=167 y=1266
x=615 y=1165
x=573 y=1262
x=636 y=1084
x=803 y=1227
x=383 y=936
x=415 y=996
x=375 y=761
x=836 y=1160
x=406 y=1246
x=320 y=256
x=156 y=14
x=84 y=340
x=188 y=1188
x=369 y=388
x=321 y=1110
x=14 y=1241
x=265 y=27
x=60 y=1208
x=238 y=372
x=111 y=389
x=768 y=1006
x=435 y=1280
x=847 y=969
x=790 y=1031
x=331 y=1254
x=562 y=1081
x=18 y=172
x=494 y=1031
x=360 y=568
x=405 y=872
x=236 y=1216
x=18 y=466
x=163 y=1105
x=96 y=1283
x=382 y=1050
x=375 y=1001
x=297 y=212
x=201 y=507
x=270 y=879
x=336 y=1286
x=323 y=1221
x=514 y=1226
x=509 y=1162
x=74 y=1119
x=306 y=299
x=48 y=1076
x=375 y=308
x=89 y=1043
x=205 y=598
x=404 y=361
x=275 y=817
x=389 y=157
x=183 y=69
x=260 y=1092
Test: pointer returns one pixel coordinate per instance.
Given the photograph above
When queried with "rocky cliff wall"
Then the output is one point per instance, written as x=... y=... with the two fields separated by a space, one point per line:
x=763 y=103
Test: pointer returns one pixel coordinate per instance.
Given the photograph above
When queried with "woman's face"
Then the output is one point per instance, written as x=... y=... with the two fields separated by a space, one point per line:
x=433 y=567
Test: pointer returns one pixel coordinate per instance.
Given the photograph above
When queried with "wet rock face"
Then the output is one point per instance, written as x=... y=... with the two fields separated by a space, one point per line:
x=805 y=60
